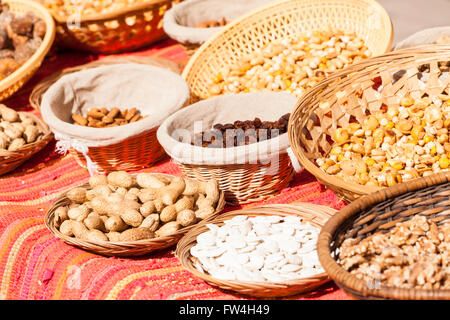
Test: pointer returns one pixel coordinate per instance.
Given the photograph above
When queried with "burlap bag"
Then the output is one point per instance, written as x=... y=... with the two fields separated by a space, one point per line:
x=268 y=106
x=427 y=36
x=154 y=91
x=180 y=20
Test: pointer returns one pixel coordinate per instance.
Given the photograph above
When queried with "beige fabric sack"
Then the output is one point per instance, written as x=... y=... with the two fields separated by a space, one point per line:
x=427 y=36
x=185 y=123
x=180 y=21
x=155 y=92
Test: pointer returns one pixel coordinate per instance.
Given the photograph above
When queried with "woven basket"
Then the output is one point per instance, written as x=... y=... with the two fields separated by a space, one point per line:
x=338 y=96
x=120 y=249
x=117 y=31
x=10 y=160
x=379 y=212
x=131 y=154
x=316 y=215
x=18 y=78
x=284 y=19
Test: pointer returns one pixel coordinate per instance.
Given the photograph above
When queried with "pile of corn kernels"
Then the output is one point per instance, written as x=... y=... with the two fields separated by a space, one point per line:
x=71 y=7
x=292 y=65
x=394 y=145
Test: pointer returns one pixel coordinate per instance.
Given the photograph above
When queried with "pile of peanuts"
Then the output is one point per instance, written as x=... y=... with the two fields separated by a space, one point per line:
x=104 y=118
x=414 y=254
x=16 y=130
x=119 y=207
x=292 y=65
x=393 y=145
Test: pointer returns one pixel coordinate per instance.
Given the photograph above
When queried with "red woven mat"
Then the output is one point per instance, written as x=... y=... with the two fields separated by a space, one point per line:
x=36 y=265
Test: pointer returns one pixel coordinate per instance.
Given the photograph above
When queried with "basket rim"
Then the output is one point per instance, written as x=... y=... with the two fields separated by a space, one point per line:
x=45 y=130
x=274 y=5
x=168 y=240
x=348 y=73
x=331 y=228
x=43 y=49
x=110 y=15
x=188 y=239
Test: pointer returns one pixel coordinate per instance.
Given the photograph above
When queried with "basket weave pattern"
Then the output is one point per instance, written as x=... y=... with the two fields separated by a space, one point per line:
x=245 y=183
x=18 y=78
x=379 y=212
x=123 y=30
x=316 y=215
x=120 y=249
x=352 y=94
x=285 y=19
x=130 y=154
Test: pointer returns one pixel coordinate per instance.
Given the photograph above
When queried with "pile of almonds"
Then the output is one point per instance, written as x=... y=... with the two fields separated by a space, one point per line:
x=105 y=118
x=120 y=207
x=16 y=130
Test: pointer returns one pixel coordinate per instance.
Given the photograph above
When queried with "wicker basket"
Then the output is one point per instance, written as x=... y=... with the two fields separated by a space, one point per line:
x=316 y=215
x=338 y=97
x=255 y=177
x=379 y=212
x=120 y=249
x=280 y=20
x=10 y=160
x=134 y=153
x=18 y=78
x=117 y=31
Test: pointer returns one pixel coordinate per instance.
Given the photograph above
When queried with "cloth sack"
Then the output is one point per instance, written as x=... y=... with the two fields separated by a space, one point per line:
x=180 y=21
x=427 y=36
x=155 y=92
x=185 y=123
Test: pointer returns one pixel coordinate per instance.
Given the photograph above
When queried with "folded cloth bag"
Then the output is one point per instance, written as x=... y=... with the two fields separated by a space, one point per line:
x=154 y=91
x=185 y=123
x=180 y=21
x=426 y=36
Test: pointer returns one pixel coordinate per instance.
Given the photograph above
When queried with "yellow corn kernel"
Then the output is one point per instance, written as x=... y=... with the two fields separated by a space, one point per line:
x=307 y=49
x=340 y=157
x=267 y=67
x=428 y=139
x=390 y=125
x=371 y=123
x=447 y=122
x=386 y=166
x=352 y=127
x=407 y=101
x=346 y=147
x=340 y=135
x=288 y=83
x=370 y=162
x=218 y=78
x=399 y=179
x=444 y=162
x=398 y=165
x=390 y=179
x=433 y=150
x=336 y=151
x=363 y=178
x=424 y=123
x=322 y=66
x=324 y=60
x=415 y=132
x=412 y=141
x=448 y=102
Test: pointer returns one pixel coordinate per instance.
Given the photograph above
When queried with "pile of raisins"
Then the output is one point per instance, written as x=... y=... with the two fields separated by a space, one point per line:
x=241 y=133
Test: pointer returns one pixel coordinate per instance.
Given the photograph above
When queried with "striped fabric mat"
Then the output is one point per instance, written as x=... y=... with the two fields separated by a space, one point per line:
x=36 y=265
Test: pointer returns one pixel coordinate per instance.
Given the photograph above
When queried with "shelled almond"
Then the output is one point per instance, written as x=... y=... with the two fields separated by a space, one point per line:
x=106 y=118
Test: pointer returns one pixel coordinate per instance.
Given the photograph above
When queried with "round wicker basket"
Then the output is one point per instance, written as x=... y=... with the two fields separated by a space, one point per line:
x=283 y=19
x=10 y=160
x=314 y=214
x=18 y=78
x=340 y=97
x=134 y=153
x=379 y=212
x=116 y=31
x=120 y=249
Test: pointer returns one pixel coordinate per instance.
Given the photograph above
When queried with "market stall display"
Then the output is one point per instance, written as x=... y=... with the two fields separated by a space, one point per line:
x=108 y=27
x=377 y=123
x=129 y=215
x=156 y=92
x=285 y=21
x=246 y=173
x=201 y=255
x=27 y=33
x=401 y=234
